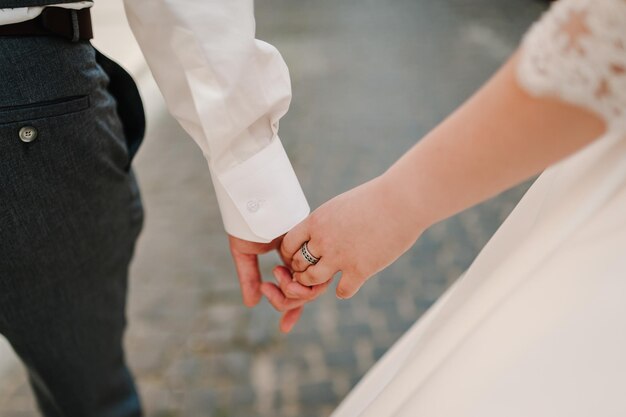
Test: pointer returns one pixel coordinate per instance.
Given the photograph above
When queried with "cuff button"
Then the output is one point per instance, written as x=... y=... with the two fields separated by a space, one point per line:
x=253 y=206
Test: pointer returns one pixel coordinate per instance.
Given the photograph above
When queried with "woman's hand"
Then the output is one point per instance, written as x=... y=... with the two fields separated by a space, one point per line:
x=357 y=233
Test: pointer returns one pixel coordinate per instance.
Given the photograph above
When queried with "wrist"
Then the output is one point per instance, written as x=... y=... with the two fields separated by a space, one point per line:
x=402 y=204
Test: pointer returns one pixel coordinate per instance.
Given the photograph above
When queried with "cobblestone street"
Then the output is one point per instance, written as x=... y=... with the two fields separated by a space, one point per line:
x=370 y=77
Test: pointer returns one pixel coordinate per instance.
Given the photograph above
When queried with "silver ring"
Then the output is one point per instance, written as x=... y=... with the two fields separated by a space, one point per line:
x=307 y=255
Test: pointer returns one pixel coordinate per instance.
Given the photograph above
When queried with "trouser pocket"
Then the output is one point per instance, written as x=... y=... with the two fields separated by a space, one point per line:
x=129 y=105
x=40 y=110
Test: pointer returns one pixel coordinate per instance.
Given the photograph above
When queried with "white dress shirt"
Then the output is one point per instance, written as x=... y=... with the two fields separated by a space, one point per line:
x=228 y=90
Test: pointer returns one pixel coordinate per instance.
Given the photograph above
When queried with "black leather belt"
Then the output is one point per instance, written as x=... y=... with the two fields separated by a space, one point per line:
x=73 y=25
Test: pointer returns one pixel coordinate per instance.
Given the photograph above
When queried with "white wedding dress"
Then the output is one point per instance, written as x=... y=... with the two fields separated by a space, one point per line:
x=537 y=325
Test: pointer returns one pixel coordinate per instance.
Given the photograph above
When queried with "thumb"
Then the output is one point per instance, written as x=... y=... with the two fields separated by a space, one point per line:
x=348 y=285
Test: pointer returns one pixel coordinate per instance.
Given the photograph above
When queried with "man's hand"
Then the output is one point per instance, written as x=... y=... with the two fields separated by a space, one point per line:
x=245 y=255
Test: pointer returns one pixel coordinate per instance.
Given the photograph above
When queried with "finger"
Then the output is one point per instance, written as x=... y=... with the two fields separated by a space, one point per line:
x=316 y=274
x=288 y=286
x=289 y=319
x=294 y=290
x=299 y=263
x=294 y=239
x=307 y=293
x=278 y=300
x=348 y=286
x=284 y=278
x=247 y=267
x=286 y=260
x=318 y=290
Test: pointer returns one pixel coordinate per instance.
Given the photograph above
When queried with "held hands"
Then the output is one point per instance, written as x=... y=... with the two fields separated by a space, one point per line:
x=358 y=233
x=288 y=297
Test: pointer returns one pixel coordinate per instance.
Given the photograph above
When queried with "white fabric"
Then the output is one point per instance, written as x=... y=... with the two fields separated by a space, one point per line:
x=580 y=55
x=228 y=90
x=22 y=14
x=537 y=325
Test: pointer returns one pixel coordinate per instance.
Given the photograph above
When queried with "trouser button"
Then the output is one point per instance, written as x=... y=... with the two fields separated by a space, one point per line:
x=28 y=134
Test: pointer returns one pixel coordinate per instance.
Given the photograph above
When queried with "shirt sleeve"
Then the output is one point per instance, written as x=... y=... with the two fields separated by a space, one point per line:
x=577 y=52
x=228 y=91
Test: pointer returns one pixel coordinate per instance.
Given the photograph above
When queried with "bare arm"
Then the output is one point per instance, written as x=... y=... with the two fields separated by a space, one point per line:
x=562 y=89
x=498 y=138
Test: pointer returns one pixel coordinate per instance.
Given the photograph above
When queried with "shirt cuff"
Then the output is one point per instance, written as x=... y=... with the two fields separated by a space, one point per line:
x=261 y=198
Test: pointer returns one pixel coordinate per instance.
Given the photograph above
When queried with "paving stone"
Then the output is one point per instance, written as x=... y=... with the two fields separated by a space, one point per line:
x=379 y=351
x=17 y=413
x=159 y=401
x=263 y=326
x=188 y=371
x=236 y=365
x=342 y=358
x=225 y=314
x=317 y=394
x=148 y=353
x=162 y=413
x=200 y=402
x=242 y=396
x=214 y=338
x=303 y=334
x=350 y=330
x=235 y=412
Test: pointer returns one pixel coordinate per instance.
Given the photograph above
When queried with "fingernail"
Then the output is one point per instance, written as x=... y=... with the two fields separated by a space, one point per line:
x=285 y=329
x=341 y=297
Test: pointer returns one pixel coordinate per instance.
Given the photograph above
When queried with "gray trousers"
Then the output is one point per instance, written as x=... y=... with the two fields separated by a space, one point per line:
x=70 y=213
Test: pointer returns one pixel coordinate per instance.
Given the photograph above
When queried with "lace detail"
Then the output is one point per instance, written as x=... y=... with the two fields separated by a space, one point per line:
x=577 y=52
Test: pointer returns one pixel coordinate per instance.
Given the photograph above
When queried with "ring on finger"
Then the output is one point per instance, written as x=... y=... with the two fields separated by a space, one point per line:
x=308 y=256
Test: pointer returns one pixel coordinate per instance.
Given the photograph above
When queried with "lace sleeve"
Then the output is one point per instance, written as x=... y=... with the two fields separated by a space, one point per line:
x=577 y=52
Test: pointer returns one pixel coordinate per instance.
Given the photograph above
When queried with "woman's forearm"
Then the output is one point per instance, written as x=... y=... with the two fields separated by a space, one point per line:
x=498 y=138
